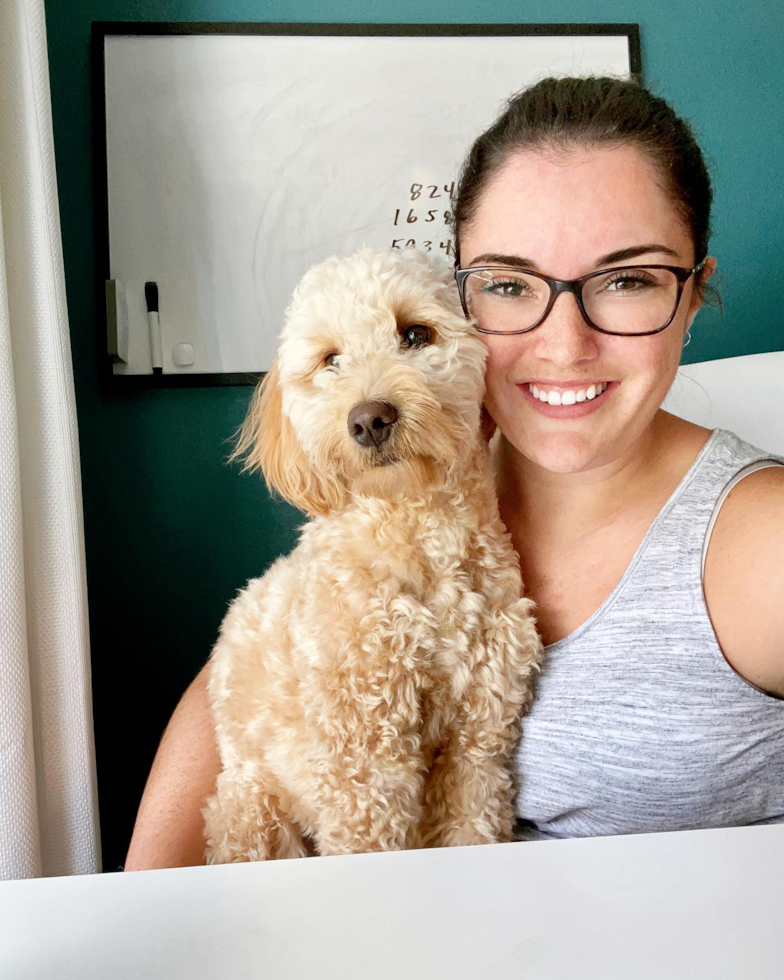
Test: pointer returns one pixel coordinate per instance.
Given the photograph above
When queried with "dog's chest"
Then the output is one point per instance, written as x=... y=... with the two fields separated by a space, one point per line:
x=420 y=573
x=409 y=602
x=425 y=554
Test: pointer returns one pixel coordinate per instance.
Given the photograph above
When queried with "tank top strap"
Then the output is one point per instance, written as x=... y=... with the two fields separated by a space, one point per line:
x=679 y=535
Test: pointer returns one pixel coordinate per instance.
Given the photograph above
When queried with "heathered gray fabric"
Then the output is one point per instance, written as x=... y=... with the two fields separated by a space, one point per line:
x=639 y=723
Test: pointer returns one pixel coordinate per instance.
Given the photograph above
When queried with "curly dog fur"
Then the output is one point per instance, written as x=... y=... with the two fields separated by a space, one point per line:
x=367 y=689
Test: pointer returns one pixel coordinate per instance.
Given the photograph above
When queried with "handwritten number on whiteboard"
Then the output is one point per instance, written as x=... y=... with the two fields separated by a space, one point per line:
x=411 y=243
x=430 y=216
x=416 y=190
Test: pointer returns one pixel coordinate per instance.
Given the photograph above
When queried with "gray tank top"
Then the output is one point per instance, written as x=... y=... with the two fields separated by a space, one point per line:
x=639 y=724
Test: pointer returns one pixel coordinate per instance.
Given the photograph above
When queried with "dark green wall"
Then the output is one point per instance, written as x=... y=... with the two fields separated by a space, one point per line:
x=172 y=532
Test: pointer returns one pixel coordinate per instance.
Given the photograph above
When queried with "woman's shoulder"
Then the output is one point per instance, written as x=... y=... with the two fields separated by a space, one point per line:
x=744 y=578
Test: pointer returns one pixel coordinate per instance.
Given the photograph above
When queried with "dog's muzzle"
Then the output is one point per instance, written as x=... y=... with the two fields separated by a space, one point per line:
x=371 y=423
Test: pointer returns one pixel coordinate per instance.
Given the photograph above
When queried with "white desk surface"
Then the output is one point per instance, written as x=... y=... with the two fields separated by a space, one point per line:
x=702 y=905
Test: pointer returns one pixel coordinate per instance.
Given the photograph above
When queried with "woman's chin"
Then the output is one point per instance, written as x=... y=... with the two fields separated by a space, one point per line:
x=564 y=452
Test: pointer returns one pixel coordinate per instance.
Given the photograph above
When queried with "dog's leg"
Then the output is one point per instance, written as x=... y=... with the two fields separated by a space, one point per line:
x=363 y=695
x=470 y=791
x=368 y=766
x=245 y=821
x=468 y=796
x=375 y=805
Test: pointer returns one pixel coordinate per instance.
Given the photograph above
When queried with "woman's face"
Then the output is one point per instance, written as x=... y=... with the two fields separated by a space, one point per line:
x=564 y=216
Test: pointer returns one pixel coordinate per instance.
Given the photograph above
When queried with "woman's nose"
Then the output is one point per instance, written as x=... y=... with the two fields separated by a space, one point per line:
x=564 y=337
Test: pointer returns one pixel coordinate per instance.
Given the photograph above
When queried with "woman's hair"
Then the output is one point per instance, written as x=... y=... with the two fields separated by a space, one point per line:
x=560 y=114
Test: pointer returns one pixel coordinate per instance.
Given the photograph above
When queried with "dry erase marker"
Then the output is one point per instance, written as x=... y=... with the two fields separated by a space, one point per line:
x=154 y=323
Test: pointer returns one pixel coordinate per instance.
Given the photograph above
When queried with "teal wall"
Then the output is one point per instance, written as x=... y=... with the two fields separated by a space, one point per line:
x=172 y=532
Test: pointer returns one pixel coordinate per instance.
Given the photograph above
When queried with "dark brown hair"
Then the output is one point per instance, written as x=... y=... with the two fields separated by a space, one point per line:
x=564 y=113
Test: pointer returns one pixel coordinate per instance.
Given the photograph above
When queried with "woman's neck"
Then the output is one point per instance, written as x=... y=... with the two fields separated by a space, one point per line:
x=571 y=506
x=576 y=533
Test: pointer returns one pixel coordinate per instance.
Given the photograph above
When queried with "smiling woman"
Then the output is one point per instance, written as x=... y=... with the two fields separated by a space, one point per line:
x=656 y=709
x=593 y=203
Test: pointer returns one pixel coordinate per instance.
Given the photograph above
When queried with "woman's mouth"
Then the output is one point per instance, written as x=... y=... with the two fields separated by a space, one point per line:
x=567 y=400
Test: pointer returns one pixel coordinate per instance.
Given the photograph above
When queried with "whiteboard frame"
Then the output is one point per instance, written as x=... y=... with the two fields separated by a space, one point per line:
x=103 y=29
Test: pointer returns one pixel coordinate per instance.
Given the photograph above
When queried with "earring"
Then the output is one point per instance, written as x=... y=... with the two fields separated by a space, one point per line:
x=688 y=338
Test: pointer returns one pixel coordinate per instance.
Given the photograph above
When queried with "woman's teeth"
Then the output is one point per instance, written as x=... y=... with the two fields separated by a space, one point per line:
x=568 y=397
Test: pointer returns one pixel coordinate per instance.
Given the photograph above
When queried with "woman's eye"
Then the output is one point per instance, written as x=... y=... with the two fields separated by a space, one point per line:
x=416 y=336
x=331 y=360
x=628 y=284
x=505 y=288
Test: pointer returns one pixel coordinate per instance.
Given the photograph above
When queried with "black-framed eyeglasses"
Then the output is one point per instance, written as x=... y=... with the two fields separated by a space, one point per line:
x=622 y=301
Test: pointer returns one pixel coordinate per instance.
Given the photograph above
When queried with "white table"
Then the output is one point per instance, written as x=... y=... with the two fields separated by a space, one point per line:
x=702 y=905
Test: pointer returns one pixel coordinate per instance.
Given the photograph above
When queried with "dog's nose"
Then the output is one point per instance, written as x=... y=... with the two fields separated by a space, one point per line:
x=370 y=423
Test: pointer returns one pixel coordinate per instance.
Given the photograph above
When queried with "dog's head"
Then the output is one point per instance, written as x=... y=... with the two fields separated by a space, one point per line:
x=376 y=388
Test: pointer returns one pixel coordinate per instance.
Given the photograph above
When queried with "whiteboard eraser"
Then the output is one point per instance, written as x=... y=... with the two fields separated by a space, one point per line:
x=116 y=322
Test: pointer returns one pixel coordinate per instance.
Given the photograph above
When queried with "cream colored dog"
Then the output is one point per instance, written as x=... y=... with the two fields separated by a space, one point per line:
x=367 y=690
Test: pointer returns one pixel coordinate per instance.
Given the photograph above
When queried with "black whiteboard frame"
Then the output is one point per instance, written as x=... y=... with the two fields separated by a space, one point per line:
x=103 y=29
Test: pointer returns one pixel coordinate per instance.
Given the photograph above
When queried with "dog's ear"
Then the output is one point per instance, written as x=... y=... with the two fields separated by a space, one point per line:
x=267 y=441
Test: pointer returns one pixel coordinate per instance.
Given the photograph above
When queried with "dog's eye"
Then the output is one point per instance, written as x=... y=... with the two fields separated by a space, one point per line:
x=331 y=360
x=416 y=336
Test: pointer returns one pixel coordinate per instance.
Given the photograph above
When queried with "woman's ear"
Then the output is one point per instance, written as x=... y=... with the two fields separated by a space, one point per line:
x=699 y=293
x=267 y=441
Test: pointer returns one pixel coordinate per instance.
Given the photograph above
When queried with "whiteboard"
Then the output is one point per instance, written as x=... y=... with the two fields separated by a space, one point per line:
x=235 y=162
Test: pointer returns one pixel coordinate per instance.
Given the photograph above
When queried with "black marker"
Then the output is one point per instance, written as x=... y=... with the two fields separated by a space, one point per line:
x=154 y=323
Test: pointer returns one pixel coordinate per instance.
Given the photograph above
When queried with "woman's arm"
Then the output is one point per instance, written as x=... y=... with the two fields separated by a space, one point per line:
x=169 y=824
x=744 y=579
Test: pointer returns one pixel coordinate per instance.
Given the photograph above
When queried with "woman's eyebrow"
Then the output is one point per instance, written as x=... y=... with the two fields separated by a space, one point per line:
x=632 y=253
x=494 y=258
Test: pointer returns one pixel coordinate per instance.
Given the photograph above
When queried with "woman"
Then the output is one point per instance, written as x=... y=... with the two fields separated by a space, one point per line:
x=661 y=704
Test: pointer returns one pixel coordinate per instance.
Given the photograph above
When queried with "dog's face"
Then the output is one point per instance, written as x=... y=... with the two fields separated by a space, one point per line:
x=377 y=385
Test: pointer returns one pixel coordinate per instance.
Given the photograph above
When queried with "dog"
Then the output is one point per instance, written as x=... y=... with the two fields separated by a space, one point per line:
x=367 y=690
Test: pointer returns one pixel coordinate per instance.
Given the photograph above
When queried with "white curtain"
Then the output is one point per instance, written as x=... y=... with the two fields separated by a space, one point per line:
x=48 y=800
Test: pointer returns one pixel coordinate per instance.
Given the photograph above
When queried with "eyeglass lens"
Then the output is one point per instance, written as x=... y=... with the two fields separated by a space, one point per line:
x=630 y=301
